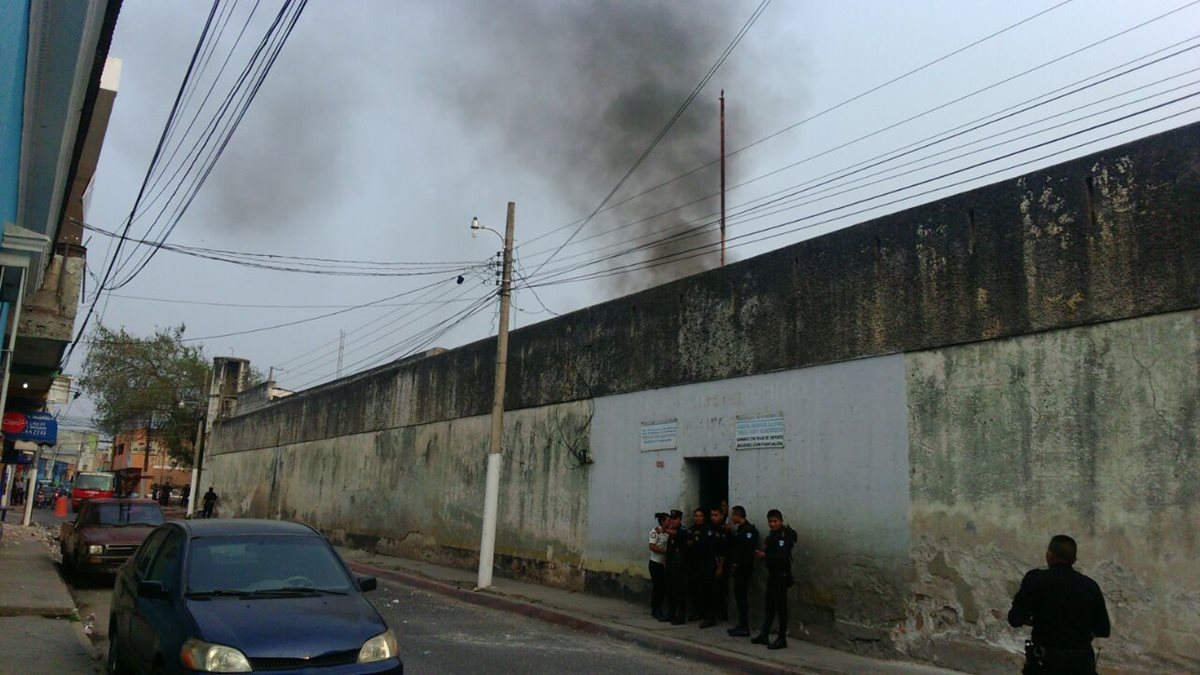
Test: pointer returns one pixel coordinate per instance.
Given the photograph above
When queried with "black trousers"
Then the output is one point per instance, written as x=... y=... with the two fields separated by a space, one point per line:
x=658 y=588
x=741 y=596
x=695 y=593
x=1051 y=661
x=677 y=591
x=775 y=605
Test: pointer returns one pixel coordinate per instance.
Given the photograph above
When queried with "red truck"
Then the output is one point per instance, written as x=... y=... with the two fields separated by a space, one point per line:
x=91 y=485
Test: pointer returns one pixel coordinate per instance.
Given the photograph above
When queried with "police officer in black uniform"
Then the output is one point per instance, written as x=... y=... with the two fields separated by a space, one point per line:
x=777 y=551
x=712 y=565
x=696 y=587
x=1066 y=610
x=743 y=542
x=677 y=568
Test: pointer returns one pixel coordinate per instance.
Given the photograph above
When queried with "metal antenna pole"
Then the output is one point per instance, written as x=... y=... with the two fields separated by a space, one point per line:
x=722 y=178
x=341 y=350
x=487 y=543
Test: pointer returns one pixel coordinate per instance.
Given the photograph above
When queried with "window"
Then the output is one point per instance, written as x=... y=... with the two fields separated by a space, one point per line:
x=147 y=550
x=120 y=514
x=264 y=562
x=165 y=567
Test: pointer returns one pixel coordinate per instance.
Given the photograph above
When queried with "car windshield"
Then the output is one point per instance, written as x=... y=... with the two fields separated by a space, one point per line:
x=264 y=564
x=93 y=481
x=122 y=514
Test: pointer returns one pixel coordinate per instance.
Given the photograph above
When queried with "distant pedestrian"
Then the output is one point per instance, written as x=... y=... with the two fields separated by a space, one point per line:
x=164 y=495
x=777 y=551
x=742 y=545
x=658 y=566
x=210 y=502
x=185 y=496
x=678 y=570
x=1066 y=610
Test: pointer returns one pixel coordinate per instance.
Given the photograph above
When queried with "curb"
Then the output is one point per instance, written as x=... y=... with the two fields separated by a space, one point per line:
x=689 y=650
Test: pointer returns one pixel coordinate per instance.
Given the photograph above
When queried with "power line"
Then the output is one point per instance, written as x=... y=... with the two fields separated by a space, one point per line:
x=670 y=123
x=929 y=141
x=177 y=301
x=145 y=180
x=316 y=318
x=821 y=113
x=217 y=150
x=705 y=249
x=298 y=264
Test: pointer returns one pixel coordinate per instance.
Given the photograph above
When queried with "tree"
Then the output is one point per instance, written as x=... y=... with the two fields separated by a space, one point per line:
x=155 y=381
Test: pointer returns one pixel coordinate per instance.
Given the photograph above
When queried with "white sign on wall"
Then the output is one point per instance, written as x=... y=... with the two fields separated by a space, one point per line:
x=759 y=432
x=660 y=435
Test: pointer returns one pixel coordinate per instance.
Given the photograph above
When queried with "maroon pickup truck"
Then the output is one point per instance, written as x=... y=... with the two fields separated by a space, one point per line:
x=105 y=533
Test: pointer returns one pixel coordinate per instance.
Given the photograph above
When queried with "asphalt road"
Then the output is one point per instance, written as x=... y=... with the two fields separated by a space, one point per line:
x=438 y=634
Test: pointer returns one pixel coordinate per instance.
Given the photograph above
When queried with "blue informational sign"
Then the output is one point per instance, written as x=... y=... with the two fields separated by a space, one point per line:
x=38 y=427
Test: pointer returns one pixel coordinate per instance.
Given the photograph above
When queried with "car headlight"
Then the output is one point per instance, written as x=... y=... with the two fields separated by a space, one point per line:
x=379 y=648
x=94 y=549
x=210 y=658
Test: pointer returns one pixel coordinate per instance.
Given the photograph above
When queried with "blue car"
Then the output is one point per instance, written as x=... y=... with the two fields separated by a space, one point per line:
x=242 y=596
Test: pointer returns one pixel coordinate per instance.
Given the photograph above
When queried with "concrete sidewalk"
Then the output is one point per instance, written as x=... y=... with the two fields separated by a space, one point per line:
x=40 y=631
x=623 y=620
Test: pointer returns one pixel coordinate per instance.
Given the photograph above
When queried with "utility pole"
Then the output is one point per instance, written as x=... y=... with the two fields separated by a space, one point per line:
x=722 y=178
x=196 y=457
x=142 y=489
x=487 y=544
x=341 y=350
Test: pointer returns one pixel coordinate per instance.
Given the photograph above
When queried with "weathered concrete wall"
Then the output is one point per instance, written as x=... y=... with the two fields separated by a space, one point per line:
x=841 y=480
x=418 y=491
x=395 y=456
x=1092 y=432
x=1109 y=236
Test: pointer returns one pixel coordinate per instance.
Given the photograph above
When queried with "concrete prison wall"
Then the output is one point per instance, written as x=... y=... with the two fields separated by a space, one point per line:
x=946 y=387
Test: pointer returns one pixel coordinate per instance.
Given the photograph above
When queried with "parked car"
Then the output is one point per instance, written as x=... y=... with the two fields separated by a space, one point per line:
x=239 y=596
x=105 y=533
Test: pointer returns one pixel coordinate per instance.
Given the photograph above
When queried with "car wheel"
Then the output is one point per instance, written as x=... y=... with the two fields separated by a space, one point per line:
x=114 y=665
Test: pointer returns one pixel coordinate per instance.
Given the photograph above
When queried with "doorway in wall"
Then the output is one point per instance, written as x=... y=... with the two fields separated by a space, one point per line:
x=709 y=481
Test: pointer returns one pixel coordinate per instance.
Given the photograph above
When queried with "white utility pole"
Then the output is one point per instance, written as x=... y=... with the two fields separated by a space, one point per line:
x=196 y=457
x=31 y=489
x=487 y=544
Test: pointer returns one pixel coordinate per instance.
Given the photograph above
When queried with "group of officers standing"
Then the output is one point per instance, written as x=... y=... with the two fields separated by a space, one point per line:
x=690 y=569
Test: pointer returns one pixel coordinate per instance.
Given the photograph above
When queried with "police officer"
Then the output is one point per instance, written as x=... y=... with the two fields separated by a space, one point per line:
x=712 y=566
x=743 y=542
x=777 y=551
x=696 y=586
x=1066 y=610
x=677 y=568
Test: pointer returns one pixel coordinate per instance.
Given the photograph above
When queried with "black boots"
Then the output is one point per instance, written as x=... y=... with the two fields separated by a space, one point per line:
x=764 y=638
x=739 y=631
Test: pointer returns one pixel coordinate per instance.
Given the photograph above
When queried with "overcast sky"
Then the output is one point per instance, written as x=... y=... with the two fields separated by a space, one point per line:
x=385 y=126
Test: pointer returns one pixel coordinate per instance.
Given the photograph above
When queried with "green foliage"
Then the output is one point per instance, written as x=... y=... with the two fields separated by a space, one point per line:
x=135 y=380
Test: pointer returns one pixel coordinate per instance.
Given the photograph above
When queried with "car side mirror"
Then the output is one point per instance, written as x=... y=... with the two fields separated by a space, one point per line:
x=151 y=589
x=367 y=584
